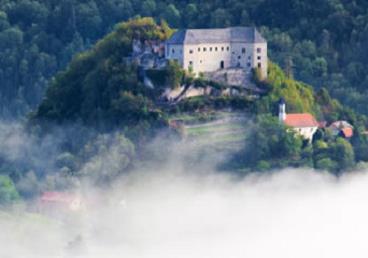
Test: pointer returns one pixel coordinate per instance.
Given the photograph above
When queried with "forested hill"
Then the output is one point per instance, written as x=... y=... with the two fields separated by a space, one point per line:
x=101 y=89
x=104 y=108
x=319 y=42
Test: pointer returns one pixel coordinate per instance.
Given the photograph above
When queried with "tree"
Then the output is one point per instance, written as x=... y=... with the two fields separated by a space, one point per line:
x=326 y=164
x=107 y=156
x=220 y=18
x=270 y=140
x=148 y=8
x=8 y=192
x=191 y=12
x=172 y=16
x=343 y=154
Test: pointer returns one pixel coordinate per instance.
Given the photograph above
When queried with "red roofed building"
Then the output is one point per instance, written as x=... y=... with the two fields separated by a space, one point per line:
x=303 y=123
x=342 y=128
x=59 y=201
x=347 y=132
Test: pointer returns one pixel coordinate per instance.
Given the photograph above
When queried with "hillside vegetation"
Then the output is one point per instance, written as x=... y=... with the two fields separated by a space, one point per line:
x=102 y=91
x=322 y=46
x=110 y=121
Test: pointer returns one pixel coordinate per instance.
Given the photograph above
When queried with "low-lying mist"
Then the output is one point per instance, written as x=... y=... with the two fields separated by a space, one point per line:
x=175 y=213
x=168 y=209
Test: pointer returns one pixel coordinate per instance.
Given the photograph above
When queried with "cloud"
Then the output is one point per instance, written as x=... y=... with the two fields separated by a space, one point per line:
x=174 y=207
x=292 y=213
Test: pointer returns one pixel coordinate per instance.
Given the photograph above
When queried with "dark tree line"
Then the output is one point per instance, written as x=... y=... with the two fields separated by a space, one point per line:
x=319 y=42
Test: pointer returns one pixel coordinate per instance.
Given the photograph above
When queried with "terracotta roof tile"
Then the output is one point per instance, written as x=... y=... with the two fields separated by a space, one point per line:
x=57 y=197
x=301 y=120
x=347 y=132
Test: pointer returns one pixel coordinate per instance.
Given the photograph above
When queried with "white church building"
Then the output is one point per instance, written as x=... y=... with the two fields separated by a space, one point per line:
x=210 y=50
x=303 y=124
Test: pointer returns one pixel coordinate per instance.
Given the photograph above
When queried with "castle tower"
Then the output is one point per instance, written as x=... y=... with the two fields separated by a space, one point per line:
x=282 y=110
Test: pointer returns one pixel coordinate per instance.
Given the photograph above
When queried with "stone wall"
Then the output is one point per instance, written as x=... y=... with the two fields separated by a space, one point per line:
x=213 y=57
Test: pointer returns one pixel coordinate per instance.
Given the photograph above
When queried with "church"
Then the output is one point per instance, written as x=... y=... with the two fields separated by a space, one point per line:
x=303 y=124
x=210 y=50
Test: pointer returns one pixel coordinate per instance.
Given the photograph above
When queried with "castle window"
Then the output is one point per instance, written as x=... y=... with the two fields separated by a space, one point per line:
x=239 y=57
x=243 y=50
x=190 y=65
x=173 y=51
x=258 y=57
x=199 y=49
x=259 y=50
x=210 y=49
x=259 y=65
x=222 y=48
x=215 y=48
x=204 y=49
x=228 y=48
x=191 y=51
x=249 y=64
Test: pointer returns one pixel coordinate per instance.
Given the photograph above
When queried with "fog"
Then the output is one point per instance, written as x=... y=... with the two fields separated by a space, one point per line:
x=174 y=213
x=172 y=210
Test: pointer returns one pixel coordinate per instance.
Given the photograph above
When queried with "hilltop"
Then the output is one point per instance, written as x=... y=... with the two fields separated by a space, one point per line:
x=324 y=47
x=101 y=90
x=100 y=118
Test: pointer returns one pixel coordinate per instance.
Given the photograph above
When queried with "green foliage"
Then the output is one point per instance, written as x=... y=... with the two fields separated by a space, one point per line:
x=106 y=157
x=271 y=141
x=344 y=154
x=326 y=164
x=172 y=76
x=322 y=46
x=101 y=90
x=8 y=192
x=298 y=96
x=214 y=103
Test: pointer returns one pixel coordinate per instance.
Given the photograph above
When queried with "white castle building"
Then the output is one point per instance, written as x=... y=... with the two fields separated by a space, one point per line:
x=209 y=50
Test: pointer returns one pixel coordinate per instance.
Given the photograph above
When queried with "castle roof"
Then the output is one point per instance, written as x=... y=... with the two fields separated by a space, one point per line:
x=226 y=35
x=300 y=120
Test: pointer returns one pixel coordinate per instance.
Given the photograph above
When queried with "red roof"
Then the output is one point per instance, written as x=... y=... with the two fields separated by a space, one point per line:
x=347 y=132
x=301 y=120
x=58 y=197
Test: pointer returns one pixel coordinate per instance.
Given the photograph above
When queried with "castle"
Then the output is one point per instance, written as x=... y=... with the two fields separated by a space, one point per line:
x=210 y=50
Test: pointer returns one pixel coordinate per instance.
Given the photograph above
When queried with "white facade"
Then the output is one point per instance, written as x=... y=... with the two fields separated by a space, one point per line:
x=220 y=52
x=304 y=124
x=306 y=132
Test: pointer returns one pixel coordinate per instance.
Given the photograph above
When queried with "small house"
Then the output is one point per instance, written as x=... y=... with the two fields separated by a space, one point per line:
x=342 y=128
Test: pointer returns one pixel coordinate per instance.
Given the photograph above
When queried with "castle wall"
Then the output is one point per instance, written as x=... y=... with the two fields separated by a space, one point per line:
x=206 y=57
x=241 y=55
x=212 y=57
x=175 y=52
x=260 y=58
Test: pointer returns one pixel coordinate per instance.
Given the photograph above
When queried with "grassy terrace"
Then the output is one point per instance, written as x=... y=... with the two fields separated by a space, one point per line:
x=222 y=131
